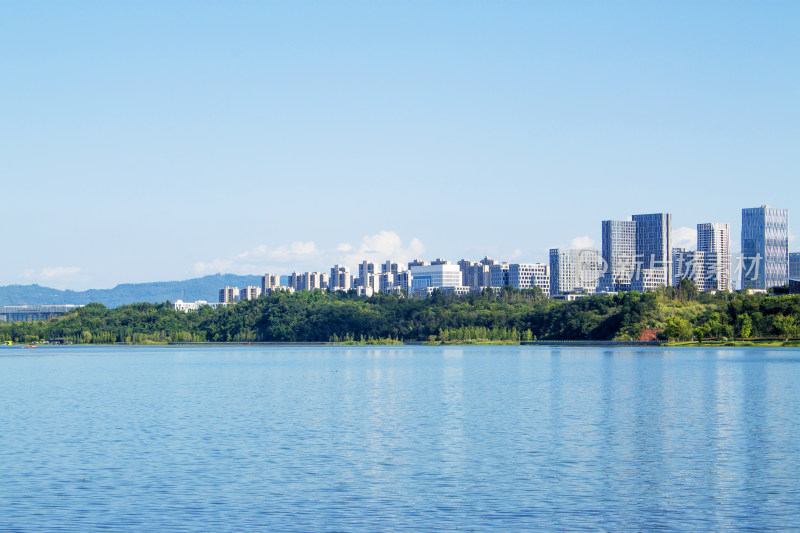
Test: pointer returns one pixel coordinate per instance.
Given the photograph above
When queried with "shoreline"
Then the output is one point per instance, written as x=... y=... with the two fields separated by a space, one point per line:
x=765 y=343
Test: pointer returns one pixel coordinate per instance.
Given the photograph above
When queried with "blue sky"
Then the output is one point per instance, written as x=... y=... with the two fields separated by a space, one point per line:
x=144 y=141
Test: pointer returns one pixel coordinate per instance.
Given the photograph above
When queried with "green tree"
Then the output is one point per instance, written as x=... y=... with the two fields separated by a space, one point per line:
x=687 y=290
x=678 y=329
x=745 y=326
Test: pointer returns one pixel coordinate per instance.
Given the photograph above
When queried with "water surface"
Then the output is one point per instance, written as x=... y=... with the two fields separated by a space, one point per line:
x=399 y=438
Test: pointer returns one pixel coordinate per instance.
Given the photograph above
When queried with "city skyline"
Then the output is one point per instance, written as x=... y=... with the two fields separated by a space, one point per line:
x=168 y=141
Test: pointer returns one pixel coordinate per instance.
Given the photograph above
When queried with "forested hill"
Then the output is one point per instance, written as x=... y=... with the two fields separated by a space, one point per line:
x=507 y=315
x=205 y=288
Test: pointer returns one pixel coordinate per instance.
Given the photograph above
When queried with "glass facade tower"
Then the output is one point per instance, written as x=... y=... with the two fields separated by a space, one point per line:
x=765 y=247
x=654 y=244
x=619 y=254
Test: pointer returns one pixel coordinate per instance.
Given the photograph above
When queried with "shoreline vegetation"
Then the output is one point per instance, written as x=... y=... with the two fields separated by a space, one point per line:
x=671 y=317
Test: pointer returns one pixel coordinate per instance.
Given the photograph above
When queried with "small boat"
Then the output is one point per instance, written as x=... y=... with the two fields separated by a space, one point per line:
x=30 y=346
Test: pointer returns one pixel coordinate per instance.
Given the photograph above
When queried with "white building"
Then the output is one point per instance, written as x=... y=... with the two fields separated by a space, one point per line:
x=650 y=279
x=340 y=279
x=228 y=295
x=529 y=275
x=694 y=265
x=180 y=305
x=251 y=292
x=574 y=270
x=308 y=281
x=713 y=238
x=433 y=277
x=390 y=267
x=269 y=282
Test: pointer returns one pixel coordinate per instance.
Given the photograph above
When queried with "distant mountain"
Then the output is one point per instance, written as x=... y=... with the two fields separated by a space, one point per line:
x=205 y=288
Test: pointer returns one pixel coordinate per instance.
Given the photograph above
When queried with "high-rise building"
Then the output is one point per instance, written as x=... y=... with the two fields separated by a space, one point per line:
x=619 y=254
x=251 y=292
x=696 y=265
x=390 y=267
x=270 y=282
x=416 y=263
x=440 y=261
x=366 y=267
x=713 y=238
x=574 y=270
x=498 y=273
x=315 y=280
x=794 y=265
x=340 y=279
x=308 y=281
x=529 y=275
x=654 y=247
x=476 y=275
x=228 y=295
x=765 y=247
x=464 y=266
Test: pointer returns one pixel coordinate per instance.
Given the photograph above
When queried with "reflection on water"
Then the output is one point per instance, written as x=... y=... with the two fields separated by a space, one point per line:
x=399 y=438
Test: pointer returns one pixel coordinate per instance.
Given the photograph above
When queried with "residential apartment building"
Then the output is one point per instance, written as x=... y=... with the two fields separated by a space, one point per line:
x=251 y=292
x=270 y=282
x=713 y=239
x=308 y=281
x=390 y=267
x=228 y=295
x=765 y=247
x=340 y=279
x=476 y=275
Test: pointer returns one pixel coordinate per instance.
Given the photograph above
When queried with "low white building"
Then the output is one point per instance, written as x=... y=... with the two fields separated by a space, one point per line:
x=433 y=277
x=180 y=305
x=529 y=275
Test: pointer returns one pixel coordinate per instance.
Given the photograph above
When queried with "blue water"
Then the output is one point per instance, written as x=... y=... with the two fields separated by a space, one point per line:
x=398 y=439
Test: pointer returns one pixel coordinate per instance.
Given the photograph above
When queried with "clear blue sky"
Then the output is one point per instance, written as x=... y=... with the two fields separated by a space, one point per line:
x=144 y=141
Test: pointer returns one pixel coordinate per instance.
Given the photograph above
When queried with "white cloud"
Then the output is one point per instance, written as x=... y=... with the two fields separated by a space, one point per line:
x=380 y=247
x=582 y=242
x=306 y=256
x=297 y=250
x=260 y=258
x=213 y=266
x=516 y=253
x=685 y=237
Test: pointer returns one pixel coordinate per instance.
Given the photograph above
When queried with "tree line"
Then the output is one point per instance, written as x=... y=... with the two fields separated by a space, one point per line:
x=507 y=315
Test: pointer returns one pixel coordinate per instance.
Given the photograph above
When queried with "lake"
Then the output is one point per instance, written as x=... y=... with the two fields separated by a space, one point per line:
x=479 y=438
